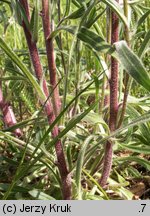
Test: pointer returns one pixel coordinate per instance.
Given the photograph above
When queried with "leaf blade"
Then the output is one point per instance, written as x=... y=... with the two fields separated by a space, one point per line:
x=132 y=64
x=23 y=68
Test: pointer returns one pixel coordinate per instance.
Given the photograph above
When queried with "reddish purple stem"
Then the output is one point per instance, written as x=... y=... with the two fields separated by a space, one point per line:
x=50 y=55
x=65 y=175
x=113 y=103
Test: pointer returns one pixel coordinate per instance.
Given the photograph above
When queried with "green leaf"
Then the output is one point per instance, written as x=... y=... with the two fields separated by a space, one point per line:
x=70 y=29
x=16 y=11
x=96 y=183
x=93 y=40
x=23 y=68
x=12 y=78
x=138 y=121
x=142 y=149
x=132 y=64
x=117 y=9
x=16 y=142
x=58 y=118
x=5 y=186
x=39 y=195
x=93 y=18
x=143 y=128
x=22 y=124
x=143 y=162
x=32 y=19
x=90 y=38
x=121 y=179
x=67 y=9
x=78 y=13
x=145 y=44
x=35 y=23
x=142 y=19
x=79 y=165
x=72 y=124
x=23 y=14
x=94 y=118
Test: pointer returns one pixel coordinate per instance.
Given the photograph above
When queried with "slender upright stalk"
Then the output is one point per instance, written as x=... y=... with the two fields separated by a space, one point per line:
x=113 y=102
x=105 y=86
x=60 y=44
x=50 y=55
x=128 y=79
x=78 y=75
x=8 y=114
x=62 y=165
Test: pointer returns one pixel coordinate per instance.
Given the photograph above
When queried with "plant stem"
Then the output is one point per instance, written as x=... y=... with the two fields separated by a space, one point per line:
x=60 y=44
x=128 y=80
x=113 y=102
x=50 y=56
x=64 y=173
x=78 y=75
x=105 y=98
x=8 y=114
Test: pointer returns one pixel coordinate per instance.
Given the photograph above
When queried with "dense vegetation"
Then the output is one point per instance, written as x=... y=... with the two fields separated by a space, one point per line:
x=74 y=99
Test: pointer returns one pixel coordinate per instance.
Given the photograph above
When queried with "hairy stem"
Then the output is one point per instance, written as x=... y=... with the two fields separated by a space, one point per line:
x=64 y=173
x=113 y=103
x=50 y=56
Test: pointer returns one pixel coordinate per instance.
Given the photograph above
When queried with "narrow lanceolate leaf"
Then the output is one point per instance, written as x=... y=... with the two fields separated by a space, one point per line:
x=35 y=23
x=79 y=166
x=23 y=15
x=23 y=68
x=32 y=19
x=117 y=9
x=139 y=148
x=73 y=123
x=70 y=29
x=143 y=18
x=145 y=44
x=89 y=37
x=93 y=40
x=16 y=11
x=132 y=64
x=68 y=6
x=21 y=124
x=78 y=13
x=143 y=162
x=92 y=179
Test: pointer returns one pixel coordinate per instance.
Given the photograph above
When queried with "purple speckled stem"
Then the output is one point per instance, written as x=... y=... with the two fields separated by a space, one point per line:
x=8 y=114
x=50 y=56
x=113 y=103
x=65 y=175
